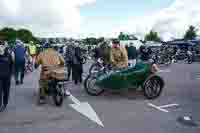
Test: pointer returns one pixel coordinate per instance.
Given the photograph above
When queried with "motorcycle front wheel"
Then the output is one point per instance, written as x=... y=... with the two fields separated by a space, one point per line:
x=90 y=86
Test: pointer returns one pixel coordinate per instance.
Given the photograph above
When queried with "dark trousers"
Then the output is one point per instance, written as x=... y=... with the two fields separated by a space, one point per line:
x=19 y=71
x=77 y=72
x=4 y=91
x=69 y=70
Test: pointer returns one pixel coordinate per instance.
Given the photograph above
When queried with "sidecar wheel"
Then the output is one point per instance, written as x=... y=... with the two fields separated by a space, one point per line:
x=153 y=87
x=91 y=88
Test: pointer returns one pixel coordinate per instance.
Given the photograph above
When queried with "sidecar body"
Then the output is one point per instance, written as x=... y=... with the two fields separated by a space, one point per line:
x=127 y=78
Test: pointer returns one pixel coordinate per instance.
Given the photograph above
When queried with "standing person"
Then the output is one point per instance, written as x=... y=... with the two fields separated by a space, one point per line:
x=20 y=55
x=105 y=52
x=97 y=52
x=144 y=53
x=132 y=55
x=77 y=69
x=5 y=76
x=189 y=55
x=69 y=54
x=32 y=49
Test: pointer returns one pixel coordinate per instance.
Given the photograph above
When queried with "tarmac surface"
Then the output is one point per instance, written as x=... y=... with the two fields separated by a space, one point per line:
x=120 y=113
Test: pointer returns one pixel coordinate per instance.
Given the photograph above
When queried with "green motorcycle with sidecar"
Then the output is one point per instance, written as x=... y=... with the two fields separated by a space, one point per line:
x=141 y=75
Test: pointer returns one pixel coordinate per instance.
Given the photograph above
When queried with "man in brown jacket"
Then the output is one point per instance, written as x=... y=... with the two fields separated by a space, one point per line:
x=49 y=59
x=119 y=57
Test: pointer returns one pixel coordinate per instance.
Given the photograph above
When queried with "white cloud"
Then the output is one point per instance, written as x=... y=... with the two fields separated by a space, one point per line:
x=43 y=17
x=172 y=21
x=62 y=18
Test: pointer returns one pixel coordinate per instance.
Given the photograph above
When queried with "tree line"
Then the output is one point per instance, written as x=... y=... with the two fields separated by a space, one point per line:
x=10 y=35
x=190 y=34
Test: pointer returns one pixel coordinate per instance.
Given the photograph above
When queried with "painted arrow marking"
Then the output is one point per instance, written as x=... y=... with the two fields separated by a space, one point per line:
x=85 y=109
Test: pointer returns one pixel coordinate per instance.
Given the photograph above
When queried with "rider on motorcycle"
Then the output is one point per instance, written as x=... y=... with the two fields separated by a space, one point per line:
x=119 y=56
x=48 y=59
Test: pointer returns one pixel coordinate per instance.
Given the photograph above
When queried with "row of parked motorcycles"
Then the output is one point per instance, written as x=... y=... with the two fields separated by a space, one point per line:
x=169 y=59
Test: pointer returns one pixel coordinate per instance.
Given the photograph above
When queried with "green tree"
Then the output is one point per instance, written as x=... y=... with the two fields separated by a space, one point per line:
x=121 y=36
x=101 y=39
x=25 y=35
x=91 y=41
x=8 y=34
x=152 y=36
x=191 y=33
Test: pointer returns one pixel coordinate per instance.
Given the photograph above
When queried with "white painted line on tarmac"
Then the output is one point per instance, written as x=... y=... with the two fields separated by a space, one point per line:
x=169 y=105
x=158 y=108
x=164 y=71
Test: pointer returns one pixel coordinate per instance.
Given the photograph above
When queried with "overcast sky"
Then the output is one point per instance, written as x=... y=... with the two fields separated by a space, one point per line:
x=81 y=18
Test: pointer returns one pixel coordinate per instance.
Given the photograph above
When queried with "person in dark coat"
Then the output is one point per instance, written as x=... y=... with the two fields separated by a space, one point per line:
x=20 y=57
x=77 y=69
x=105 y=51
x=132 y=55
x=69 y=55
x=6 y=63
x=96 y=53
x=144 y=53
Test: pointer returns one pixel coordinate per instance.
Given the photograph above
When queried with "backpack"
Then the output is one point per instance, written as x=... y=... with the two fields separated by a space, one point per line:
x=5 y=63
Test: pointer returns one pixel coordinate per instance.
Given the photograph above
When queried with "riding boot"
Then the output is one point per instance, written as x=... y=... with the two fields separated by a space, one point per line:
x=43 y=85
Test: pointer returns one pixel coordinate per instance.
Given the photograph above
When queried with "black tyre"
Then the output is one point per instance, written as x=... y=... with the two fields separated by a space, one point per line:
x=58 y=99
x=90 y=86
x=84 y=59
x=153 y=87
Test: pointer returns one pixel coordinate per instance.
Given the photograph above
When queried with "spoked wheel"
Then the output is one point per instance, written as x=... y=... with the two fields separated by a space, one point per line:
x=153 y=87
x=90 y=86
